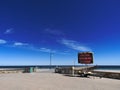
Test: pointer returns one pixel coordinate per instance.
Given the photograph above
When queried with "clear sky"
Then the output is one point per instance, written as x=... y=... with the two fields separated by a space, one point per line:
x=31 y=29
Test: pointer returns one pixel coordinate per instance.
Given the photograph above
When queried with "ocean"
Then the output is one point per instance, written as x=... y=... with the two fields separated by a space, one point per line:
x=98 y=67
x=108 y=67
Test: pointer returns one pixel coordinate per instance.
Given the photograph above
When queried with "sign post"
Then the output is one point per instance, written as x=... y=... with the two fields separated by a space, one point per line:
x=85 y=58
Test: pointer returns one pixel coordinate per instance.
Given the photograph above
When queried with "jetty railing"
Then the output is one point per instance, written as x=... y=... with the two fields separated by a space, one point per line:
x=85 y=71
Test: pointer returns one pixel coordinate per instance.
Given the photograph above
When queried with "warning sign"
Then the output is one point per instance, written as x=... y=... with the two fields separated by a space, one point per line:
x=85 y=58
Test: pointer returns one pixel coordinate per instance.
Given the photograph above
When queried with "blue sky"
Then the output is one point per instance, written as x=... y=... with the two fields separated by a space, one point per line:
x=31 y=29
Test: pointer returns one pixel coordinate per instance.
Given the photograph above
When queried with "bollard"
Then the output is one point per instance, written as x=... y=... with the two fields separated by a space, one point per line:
x=73 y=71
x=31 y=70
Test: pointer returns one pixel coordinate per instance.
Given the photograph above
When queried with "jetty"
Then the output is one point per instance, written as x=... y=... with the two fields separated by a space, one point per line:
x=18 y=70
x=87 y=71
x=75 y=70
x=11 y=70
x=107 y=74
x=82 y=71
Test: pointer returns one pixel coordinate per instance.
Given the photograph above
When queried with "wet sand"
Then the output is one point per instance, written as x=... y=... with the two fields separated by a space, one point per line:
x=53 y=81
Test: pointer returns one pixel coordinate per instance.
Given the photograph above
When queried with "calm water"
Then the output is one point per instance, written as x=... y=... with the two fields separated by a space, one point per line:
x=98 y=67
x=110 y=67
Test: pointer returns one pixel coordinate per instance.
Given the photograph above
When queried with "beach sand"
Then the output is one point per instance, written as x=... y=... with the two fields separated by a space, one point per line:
x=53 y=81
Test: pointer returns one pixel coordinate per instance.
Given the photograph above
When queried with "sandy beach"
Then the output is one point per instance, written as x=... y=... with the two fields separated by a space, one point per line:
x=53 y=81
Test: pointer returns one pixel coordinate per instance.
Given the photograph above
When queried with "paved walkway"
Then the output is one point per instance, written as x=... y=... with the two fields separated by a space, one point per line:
x=53 y=81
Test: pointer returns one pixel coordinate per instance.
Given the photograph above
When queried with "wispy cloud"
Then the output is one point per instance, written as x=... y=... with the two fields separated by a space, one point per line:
x=3 y=41
x=54 y=32
x=19 y=44
x=46 y=50
x=31 y=47
x=74 y=45
x=43 y=49
x=26 y=46
x=9 y=31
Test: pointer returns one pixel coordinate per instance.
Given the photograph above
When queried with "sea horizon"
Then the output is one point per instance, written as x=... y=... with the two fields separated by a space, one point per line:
x=98 y=67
